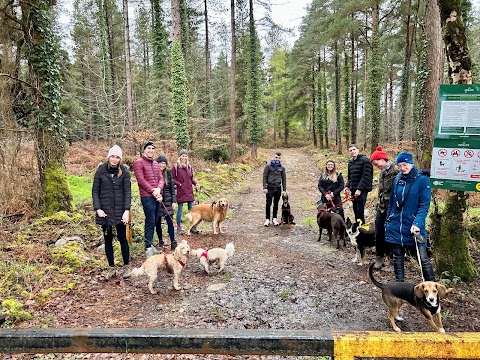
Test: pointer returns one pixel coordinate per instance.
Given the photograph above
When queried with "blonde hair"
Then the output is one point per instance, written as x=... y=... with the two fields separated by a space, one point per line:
x=330 y=175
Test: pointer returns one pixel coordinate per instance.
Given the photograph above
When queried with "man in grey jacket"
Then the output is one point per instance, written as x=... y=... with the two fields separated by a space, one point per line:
x=274 y=179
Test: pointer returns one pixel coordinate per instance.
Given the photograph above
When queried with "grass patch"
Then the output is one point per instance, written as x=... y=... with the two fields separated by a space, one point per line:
x=81 y=187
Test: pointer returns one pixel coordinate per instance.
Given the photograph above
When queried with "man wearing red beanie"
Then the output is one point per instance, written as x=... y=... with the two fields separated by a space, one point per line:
x=388 y=171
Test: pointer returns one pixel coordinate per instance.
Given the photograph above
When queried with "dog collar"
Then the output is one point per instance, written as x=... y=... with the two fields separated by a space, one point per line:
x=181 y=263
x=205 y=253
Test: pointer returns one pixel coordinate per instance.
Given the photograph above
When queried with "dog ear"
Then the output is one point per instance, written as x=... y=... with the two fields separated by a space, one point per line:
x=418 y=290
x=443 y=291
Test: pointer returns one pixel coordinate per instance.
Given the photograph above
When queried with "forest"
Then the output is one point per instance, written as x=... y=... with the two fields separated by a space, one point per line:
x=221 y=79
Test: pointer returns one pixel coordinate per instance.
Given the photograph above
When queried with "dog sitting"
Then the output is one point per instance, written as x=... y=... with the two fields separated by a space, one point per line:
x=424 y=296
x=173 y=263
x=216 y=212
x=360 y=239
x=332 y=222
x=287 y=217
x=215 y=255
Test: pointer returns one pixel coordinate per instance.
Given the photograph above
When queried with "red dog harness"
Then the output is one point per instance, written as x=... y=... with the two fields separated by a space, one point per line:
x=205 y=253
x=169 y=269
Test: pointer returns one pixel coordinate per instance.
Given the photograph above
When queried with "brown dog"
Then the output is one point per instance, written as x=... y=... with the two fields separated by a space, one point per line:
x=173 y=263
x=424 y=296
x=215 y=212
x=332 y=222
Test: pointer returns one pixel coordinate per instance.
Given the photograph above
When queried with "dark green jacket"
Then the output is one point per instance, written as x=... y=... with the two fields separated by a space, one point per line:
x=385 y=183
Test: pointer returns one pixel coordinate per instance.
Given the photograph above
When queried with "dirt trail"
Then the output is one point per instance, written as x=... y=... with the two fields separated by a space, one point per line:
x=278 y=278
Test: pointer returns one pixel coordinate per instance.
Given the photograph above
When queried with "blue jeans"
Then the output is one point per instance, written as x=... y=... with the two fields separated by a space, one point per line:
x=151 y=208
x=180 y=210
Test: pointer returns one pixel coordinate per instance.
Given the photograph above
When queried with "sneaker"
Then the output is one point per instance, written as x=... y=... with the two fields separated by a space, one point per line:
x=149 y=252
x=126 y=271
x=194 y=231
x=275 y=222
x=156 y=251
x=110 y=273
x=267 y=222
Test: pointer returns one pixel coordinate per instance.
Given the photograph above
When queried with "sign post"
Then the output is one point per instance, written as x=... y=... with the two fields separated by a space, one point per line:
x=456 y=146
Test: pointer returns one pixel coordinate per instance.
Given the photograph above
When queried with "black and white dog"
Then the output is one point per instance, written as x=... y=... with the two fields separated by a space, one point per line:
x=360 y=239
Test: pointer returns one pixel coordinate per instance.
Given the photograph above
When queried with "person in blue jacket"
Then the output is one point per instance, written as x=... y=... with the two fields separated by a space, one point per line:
x=407 y=214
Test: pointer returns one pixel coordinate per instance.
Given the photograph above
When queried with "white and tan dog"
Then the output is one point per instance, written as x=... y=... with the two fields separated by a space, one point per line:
x=216 y=212
x=215 y=255
x=173 y=263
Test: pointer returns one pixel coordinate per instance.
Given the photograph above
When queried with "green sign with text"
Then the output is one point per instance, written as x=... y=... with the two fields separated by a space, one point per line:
x=456 y=147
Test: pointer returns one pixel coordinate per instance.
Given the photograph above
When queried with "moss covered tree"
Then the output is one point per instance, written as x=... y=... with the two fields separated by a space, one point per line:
x=47 y=121
x=451 y=242
x=179 y=97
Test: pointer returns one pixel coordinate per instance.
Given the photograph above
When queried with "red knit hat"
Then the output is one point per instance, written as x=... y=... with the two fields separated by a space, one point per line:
x=379 y=154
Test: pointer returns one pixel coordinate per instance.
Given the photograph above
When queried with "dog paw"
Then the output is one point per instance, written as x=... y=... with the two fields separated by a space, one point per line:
x=399 y=318
x=177 y=287
x=442 y=330
x=397 y=329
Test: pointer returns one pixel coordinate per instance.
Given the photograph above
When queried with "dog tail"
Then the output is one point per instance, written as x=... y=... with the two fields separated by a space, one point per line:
x=188 y=217
x=370 y=274
x=230 y=249
x=138 y=271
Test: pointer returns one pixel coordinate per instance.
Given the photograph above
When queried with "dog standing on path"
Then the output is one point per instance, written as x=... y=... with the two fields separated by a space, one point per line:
x=424 y=296
x=332 y=222
x=287 y=217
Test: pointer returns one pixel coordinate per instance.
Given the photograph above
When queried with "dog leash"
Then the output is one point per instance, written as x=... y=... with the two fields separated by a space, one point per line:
x=419 y=239
x=179 y=228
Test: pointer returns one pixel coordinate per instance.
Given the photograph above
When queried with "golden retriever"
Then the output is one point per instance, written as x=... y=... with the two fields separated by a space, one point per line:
x=215 y=212
x=214 y=255
x=173 y=263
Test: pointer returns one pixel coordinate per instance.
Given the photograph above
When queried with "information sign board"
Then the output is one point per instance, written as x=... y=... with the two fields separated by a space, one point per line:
x=456 y=146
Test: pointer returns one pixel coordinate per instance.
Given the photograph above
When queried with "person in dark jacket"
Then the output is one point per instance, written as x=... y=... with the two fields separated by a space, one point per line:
x=406 y=216
x=330 y=185
x=184 y=181
x=112 y=197
x=388 y=171
x=359 y=181
x=169 y=203
x=150 y=183
x=274 y=179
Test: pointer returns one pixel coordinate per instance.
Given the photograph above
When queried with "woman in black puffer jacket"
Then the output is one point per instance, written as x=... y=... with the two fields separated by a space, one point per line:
x=112 y=197
x=169 y=202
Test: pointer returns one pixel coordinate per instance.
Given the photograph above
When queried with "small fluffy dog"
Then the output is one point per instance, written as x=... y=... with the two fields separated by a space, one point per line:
x=424 y=296
x=215 y=255
x=216 y=212
x=360 y=239
x=332 y=222
x=173 y=263
x=287 y=217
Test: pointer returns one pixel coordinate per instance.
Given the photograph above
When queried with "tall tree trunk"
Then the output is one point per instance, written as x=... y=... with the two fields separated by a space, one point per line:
x=176 y=21
x=324 y=101
x=313 y=106
x=233 y=121
x=44 y=72
x=375 y=81
x=338 y=126
x=353 y=118
x=451 y=236
x=208 y=87
x=128 y=71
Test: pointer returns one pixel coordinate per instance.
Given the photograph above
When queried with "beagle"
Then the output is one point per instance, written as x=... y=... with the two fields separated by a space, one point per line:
x=424 y=296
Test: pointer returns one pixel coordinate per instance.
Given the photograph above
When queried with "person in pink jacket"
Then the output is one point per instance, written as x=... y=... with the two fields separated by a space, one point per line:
x=150 y=183
x=184 y=181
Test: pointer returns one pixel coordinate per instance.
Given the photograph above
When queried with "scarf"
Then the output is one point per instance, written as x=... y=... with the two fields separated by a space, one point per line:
x=275 y=165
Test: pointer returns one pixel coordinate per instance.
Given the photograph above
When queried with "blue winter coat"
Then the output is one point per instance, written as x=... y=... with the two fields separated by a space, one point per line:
x=409 y=204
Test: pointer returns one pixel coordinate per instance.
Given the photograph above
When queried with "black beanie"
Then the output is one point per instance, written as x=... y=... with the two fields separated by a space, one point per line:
x=148 y=143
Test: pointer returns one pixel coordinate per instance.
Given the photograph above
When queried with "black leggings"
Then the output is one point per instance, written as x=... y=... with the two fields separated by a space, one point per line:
x=399 y=259
x=122 y=238
x=272 y=194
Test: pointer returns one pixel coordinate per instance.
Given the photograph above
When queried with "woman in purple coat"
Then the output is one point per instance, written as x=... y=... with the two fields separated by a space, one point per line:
x=184 y=181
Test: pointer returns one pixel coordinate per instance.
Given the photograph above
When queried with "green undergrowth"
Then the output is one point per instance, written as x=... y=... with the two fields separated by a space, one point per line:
x=34 y=270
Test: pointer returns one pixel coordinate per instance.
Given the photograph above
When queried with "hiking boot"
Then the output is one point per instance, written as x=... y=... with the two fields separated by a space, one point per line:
x=110 y=273
x=275 y=222
x=173 y=245
x=378 y=262
x=149 y=252
x=194 y=230
x=267 y=222
x=126 y=271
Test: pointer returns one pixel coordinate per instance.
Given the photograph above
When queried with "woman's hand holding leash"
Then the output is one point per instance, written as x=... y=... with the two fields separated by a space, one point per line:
x=125 y=217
